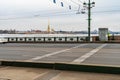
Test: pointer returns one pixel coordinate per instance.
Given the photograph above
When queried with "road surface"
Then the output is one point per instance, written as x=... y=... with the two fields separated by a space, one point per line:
x=87 y=53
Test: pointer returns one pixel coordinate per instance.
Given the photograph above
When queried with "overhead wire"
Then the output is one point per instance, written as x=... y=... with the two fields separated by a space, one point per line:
x=69 y=5
x=107 y=11
x=80 y=1
x=80 y=6
x=42 y=15
x=59 y=13
x=54 y=13
x=75 y=2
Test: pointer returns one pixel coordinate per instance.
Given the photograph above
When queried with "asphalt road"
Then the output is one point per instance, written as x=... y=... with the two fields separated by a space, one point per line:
x=88 y=53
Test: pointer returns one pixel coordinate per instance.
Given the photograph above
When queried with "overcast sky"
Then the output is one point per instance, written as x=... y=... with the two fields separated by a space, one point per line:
x=34 y=14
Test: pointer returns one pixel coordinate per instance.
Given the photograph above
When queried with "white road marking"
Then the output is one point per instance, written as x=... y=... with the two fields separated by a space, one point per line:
x=54 y=53
x=89 y=54
x=35 y=78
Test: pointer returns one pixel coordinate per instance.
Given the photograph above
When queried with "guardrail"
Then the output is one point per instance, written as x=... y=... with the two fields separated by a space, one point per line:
x=45 y=39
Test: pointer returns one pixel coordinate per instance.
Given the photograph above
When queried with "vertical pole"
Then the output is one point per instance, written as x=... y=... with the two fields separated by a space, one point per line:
x=89 y=20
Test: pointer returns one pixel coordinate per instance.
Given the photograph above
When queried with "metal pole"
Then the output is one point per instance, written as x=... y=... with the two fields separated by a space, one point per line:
x=89 y=20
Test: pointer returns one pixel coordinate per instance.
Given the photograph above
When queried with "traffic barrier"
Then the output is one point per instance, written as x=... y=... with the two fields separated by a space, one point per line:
x=49 y=39
x=80 y=39
x=88 y=68
x=21 y=39
x=39 y=39
x=30 y=39
x=0 y=63
x=27 y=64
x=12 y=39
x=71 y=39
x=60 y=39
x=46 y=39
x=65 y=66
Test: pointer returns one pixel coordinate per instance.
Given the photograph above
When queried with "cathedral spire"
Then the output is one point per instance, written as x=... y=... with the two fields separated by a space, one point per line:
x=48 y=29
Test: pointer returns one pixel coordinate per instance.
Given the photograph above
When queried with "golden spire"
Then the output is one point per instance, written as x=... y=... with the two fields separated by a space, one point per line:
x=48 y=29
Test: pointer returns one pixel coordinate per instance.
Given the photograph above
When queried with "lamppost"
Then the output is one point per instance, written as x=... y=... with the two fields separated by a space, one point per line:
x=88 y=6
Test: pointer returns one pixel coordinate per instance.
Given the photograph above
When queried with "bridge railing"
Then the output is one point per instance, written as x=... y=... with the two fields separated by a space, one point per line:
x=46 y=39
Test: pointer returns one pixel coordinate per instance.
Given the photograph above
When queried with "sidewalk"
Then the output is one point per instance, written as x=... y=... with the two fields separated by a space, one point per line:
x=21 y=73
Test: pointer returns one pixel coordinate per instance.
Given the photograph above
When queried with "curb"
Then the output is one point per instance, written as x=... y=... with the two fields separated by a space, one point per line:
x=65 y=66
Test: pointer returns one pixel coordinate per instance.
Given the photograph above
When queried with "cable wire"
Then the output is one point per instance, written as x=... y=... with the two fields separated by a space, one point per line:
x=58 y=14
x=75 y=2
x=80 y=1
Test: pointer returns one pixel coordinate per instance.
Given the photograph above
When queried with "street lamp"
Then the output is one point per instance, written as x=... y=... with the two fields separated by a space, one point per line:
x=88 y=6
